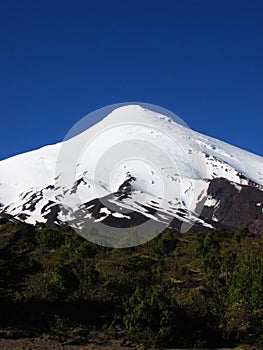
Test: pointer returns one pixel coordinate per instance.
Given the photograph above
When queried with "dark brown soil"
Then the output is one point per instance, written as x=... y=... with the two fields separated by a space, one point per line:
x=46 y=343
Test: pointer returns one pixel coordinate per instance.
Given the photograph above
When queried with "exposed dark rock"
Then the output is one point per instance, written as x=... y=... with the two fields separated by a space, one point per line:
x=52 y=215
x=235 y=207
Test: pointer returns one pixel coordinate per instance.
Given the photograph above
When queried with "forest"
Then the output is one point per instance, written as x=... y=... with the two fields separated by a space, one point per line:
x=192 y=290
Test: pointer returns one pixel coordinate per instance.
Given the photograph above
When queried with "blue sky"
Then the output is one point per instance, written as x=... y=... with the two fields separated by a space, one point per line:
x=60 y=60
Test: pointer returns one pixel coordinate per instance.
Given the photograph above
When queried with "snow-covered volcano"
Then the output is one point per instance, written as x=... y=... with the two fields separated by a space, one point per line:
x=135 y=165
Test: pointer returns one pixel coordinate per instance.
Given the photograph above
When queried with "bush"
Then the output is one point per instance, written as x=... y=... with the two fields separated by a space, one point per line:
x=151 y=316
x=50 y=238
x=244 y=313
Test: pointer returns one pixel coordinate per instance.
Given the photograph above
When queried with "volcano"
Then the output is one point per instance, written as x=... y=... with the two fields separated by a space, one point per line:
x=133 y=166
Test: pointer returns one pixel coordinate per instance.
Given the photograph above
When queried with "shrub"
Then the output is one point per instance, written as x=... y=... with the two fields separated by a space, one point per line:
x=50 y=238
x=151 y=316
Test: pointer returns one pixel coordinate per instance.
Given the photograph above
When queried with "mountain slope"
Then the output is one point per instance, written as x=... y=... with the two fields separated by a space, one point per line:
x=146 y=165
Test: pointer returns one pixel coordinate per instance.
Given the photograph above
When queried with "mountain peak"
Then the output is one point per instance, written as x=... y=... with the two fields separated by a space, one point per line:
x=129 y=113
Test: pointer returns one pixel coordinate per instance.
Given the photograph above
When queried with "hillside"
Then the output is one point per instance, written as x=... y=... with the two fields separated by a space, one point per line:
x=192 y=290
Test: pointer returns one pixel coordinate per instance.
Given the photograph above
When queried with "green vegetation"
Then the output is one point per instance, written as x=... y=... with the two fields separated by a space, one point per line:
x=178 y=290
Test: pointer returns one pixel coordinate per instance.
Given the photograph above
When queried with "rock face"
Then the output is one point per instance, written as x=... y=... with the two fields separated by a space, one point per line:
x=235 y=205
x=133 y=166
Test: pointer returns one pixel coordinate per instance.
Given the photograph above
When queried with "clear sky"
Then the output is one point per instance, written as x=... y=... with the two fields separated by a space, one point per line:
x=61 y=59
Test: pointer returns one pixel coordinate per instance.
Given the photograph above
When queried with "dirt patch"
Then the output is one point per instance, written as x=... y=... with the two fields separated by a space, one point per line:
x=45 y=343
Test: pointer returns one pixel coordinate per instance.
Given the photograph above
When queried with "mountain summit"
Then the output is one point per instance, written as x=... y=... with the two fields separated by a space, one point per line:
x=133 y=166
